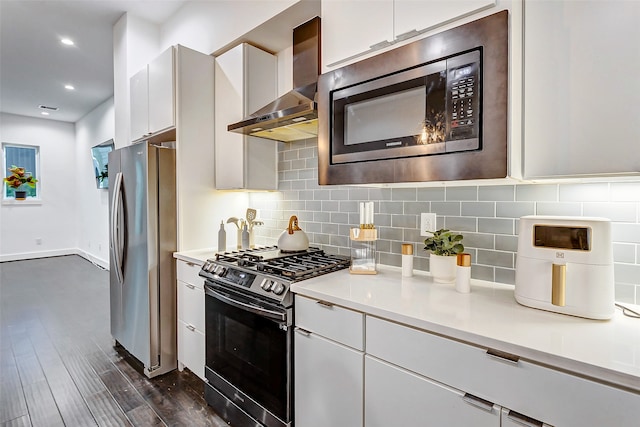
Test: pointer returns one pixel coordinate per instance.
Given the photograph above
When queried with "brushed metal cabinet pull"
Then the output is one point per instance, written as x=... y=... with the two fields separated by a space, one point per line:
x=407 y=35
x=191 y=264
x=190 y=286
x=325 y=304
x=380 y=45
x=478 y=402
x=523 y=419
x=191 y=328
x=303 y=332
x=503 y=356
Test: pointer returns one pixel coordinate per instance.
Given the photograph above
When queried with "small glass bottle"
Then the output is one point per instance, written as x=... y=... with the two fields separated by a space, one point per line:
x=407 y=260
x=463 y=273
x=222 y=238
x=245 y=237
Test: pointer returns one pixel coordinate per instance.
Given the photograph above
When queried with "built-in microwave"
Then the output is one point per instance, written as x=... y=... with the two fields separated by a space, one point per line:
x=434 y=109
x=427 y=110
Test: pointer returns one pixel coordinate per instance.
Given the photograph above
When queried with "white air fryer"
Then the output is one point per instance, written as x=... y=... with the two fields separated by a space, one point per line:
x=565 y=264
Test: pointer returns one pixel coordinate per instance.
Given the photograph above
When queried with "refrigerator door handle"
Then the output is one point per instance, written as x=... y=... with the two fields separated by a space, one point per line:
x=115 y=205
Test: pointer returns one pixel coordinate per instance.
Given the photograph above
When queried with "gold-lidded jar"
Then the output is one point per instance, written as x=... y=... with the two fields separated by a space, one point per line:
x=407 y=260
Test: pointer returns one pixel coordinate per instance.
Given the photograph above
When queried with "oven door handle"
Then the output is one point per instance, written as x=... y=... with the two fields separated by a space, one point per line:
x=271 y=314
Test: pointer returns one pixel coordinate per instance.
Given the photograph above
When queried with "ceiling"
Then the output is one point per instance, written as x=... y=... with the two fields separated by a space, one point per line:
x=35 y=66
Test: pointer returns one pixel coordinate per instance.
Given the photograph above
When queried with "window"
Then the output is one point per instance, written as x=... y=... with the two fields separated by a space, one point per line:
x=24 y=156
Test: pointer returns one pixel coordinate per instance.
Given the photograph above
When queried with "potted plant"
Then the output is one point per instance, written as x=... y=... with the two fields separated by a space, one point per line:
x=18 y=180
x=444 y=246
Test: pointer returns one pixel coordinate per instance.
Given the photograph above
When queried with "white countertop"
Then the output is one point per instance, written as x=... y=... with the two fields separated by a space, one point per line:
x=606 y=350
x=197 y=256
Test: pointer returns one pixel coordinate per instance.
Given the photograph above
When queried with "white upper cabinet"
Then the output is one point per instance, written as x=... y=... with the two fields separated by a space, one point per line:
x=246 y=79
x=152 y=97
x=351 y=28
x=581 y=88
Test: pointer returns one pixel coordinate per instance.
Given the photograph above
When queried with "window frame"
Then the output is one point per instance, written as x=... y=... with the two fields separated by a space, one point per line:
x=36 y=173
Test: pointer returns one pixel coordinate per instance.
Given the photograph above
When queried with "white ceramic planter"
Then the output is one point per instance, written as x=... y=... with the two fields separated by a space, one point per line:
x=442 y=268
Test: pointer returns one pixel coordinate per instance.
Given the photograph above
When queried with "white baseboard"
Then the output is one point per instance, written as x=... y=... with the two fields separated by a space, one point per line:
x=58 y=252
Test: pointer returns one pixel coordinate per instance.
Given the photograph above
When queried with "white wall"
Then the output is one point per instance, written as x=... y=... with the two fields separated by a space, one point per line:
x=93 y=207
x=54 y=220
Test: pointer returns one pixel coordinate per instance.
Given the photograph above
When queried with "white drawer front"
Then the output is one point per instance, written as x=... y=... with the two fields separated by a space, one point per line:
x=188 y=272
x=395 y=397
x=191 y=305
x=337 y=323
x=191 y=348
x=548 y=395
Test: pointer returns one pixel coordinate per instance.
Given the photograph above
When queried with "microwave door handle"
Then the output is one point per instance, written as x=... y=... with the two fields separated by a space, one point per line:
x=275 y=315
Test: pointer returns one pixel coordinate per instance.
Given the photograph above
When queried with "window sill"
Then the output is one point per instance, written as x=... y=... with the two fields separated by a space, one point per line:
x=13 y=202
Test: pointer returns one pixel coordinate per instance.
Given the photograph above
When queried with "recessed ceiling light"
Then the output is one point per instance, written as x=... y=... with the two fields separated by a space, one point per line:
x=69 y=87
x=44 y=113
x=68 y=42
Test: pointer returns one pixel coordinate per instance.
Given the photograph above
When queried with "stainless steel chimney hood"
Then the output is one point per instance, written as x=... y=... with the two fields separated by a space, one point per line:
x=294 y=115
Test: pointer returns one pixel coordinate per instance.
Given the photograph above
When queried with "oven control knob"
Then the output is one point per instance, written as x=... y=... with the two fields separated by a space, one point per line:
x=278 y=289
x=266 y=285
x=220 y=270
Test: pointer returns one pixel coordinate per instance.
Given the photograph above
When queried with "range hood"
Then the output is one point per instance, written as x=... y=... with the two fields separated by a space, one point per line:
x=294 y=115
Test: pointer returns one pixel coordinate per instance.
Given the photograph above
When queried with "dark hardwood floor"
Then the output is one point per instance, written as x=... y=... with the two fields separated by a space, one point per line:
x=58 y=365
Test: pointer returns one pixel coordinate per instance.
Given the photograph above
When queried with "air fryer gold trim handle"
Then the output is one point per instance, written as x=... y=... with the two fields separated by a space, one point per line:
x=558 y=284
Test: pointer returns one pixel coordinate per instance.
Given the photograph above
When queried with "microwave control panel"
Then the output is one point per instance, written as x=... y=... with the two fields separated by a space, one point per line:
x=464 y=105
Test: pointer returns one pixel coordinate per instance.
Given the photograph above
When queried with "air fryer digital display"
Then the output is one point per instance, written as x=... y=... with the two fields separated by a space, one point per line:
x=559 y=237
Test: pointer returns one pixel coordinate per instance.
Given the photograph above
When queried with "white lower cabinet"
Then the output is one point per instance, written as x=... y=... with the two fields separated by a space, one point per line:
x=329 y=365
x=397 y=397
x=328 y=382
x=191 y=341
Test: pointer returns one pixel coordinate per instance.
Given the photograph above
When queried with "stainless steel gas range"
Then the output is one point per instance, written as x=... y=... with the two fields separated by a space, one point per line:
x=249 y=342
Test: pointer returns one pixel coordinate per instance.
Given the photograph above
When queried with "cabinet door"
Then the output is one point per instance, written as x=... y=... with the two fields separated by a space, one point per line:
x=328 y=382
x=411 y=16
x=581 y=88
x=161 y=92
x=245 y=81
x=191 y=305
x=395 y=397
x=351 y=27
x=139 y=104
x=191 y=348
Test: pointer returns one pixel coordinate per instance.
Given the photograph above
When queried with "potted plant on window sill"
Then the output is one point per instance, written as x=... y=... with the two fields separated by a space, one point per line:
x=444 y=245
x=19 y=179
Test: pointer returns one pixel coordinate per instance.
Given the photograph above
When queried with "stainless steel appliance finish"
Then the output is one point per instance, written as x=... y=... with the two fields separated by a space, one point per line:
x=249 y=317
x=482 y=155
x=142 y=239
x=293 y=116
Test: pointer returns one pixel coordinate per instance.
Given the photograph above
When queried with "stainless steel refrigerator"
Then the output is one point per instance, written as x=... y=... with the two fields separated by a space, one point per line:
x=142 y=239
